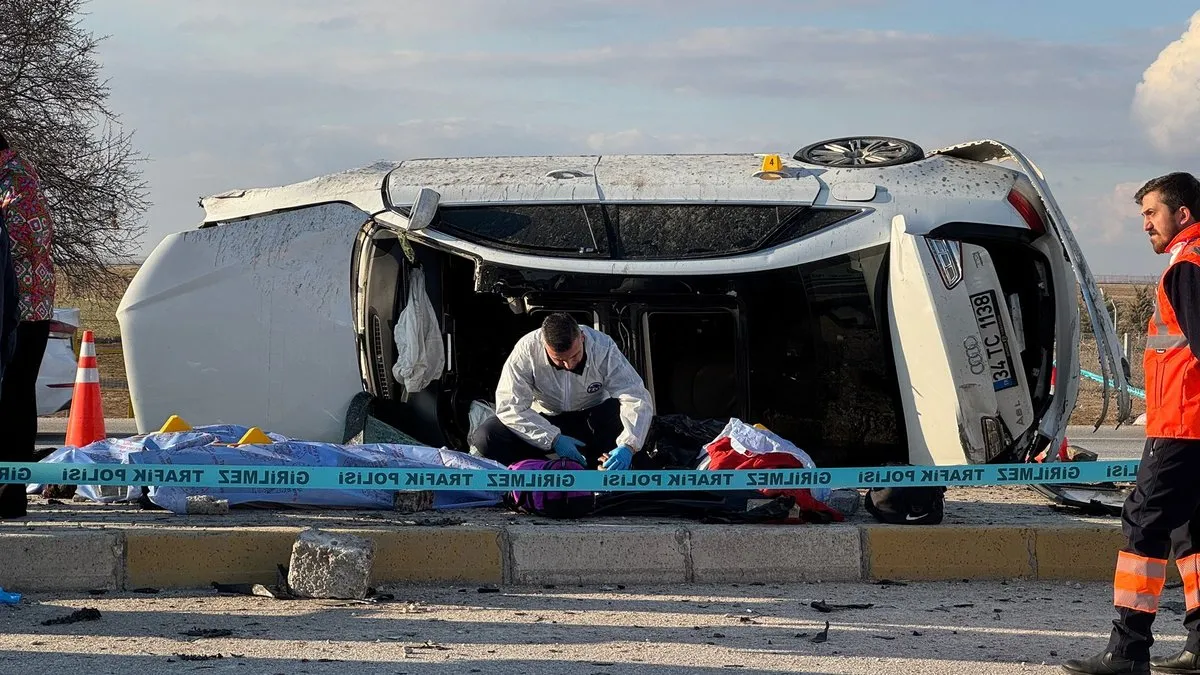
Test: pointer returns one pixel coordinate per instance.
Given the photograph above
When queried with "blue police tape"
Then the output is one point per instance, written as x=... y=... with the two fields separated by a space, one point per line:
x=217 y=476
x=1140 y=393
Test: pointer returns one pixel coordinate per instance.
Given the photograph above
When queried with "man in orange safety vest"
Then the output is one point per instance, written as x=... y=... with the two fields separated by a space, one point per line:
x=1161 y=513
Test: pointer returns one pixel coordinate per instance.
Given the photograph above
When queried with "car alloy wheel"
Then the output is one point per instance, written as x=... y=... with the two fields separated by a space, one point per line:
x=860 y=151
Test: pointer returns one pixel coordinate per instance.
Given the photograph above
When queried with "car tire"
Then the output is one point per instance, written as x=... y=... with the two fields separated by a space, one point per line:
x=860 y=152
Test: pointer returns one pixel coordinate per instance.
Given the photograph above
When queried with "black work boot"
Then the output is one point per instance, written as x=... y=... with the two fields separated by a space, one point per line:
x=1179 y=662
x=1107 y=663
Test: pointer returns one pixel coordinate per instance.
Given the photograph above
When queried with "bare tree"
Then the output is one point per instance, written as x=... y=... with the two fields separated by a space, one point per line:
x=54 y=111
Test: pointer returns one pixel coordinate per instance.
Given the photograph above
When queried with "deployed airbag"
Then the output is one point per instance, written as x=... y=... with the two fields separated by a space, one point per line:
x=420 y=354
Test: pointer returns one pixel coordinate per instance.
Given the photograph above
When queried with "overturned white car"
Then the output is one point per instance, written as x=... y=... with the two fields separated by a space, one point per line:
x=868 y=301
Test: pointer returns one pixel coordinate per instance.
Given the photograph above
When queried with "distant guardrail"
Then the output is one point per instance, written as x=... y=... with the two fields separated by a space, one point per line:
x=1126 y=279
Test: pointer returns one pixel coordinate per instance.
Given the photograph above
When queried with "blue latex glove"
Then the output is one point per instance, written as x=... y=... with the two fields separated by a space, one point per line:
x=619 y=459
x=568 y=448
x=7 y=598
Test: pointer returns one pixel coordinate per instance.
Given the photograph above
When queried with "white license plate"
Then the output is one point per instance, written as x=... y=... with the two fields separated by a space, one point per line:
x=995 y=340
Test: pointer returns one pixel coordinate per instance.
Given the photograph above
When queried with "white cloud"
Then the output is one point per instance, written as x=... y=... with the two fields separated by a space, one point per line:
x=1115 y=214
x=1167 y=101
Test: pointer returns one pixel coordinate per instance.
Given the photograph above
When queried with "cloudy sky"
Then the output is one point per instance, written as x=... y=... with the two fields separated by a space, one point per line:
x=242 y=93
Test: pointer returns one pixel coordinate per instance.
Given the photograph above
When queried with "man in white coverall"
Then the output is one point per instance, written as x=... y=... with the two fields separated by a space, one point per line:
x=569 y=390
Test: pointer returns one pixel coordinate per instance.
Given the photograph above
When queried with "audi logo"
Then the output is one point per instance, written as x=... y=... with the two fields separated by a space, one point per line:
x=974 y=355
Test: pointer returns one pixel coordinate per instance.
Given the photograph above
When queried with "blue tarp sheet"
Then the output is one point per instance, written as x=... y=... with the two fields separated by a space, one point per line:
x=202 y=446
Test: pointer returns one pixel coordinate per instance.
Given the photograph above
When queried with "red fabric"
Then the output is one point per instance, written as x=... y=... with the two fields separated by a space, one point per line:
x=31 y=232
x=723 y=458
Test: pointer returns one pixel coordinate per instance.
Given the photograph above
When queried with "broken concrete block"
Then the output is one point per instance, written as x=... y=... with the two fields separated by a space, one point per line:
x=205 y=505
x=413 y=501
x=326 y=565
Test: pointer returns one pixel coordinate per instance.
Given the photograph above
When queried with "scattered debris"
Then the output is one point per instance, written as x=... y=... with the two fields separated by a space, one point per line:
x=253 y=589
x=413 y=501
x=917 y=633
x=821 y=606
x=884 y=637
x=823 y=636
x=430 y=644
x=326 y=565
x=205 y=505
x=208 y=633
x=145 y=590
x=718 y=635
x=400 y=637
x=85 y=614
x=199 y=657
x=889 y=582
x=947 y=608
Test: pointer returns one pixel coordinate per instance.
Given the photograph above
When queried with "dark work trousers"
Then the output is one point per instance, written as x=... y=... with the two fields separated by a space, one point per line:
x=18 y=409
x=1162 y=513
x=598 y=427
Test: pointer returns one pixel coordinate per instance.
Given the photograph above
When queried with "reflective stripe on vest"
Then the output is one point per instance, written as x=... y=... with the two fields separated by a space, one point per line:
x=1172 y=370
x=1138 y=582
x=1189 y=571
x=1159 y=336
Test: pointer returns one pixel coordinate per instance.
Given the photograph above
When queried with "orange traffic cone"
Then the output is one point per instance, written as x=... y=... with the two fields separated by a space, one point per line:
x=86 y=423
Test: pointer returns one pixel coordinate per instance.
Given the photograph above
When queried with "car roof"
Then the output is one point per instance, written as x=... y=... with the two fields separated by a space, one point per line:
x=681 y=178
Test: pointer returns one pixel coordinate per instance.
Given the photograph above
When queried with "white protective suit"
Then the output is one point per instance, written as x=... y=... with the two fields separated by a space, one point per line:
x=529 y=386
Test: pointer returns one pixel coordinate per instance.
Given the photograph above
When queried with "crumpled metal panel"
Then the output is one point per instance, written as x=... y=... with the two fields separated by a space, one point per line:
x=247 y=324
x=361 y=187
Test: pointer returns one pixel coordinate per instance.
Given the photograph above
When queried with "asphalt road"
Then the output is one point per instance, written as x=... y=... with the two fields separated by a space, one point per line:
x=985 y=628
x=52 y=431
x=1109 y=443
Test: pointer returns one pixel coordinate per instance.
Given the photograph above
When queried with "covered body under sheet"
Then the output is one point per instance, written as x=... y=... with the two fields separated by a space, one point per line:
x=210 y=445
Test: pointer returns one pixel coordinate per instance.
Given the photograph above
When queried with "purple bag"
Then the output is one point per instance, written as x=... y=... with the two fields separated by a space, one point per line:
x=550 y=504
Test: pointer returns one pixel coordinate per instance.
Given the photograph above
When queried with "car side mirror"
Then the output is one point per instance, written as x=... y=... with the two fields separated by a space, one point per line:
x=424 y=208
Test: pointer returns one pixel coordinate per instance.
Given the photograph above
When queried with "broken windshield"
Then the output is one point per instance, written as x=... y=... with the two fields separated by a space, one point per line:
x=635 y=231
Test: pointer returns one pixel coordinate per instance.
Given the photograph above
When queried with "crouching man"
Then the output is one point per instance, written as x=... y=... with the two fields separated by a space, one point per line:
x=569 y=390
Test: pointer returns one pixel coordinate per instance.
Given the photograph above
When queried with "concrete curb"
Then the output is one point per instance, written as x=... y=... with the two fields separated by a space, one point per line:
x=567 y=553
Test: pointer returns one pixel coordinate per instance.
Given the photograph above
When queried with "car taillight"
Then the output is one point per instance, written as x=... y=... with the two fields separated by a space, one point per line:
x=947 y=255
x=59 y=329
x=1028 y=213
x=995 y=437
